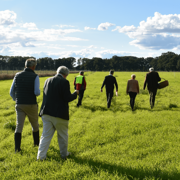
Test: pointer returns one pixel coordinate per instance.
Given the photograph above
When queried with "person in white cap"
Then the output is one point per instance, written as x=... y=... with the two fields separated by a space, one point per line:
x=152 y=79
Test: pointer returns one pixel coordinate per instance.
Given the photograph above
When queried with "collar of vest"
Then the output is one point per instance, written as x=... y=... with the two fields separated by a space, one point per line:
x=28 y=70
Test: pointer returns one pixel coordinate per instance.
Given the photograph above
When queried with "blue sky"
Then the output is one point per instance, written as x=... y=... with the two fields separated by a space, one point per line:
x=96 y=28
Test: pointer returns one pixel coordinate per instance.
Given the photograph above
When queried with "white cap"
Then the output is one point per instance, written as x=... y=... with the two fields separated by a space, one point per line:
x=151 y=69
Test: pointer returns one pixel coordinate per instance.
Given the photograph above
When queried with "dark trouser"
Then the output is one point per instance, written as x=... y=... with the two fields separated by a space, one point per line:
x=152 y=95
x=81 y=94
x=132 y=99
x=109 y=95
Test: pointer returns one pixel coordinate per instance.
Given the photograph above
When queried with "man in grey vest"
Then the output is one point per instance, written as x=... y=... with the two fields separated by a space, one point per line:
x=55 y=112
x=24 y=89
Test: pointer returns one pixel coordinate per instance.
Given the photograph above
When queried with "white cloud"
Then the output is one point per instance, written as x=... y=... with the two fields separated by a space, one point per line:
x=157 y=42
x=92 y=47
x=30 y=26
x=60 y=31
x=63 y=26
x=158 y=32
x=109 y=53
x=7 y=17
x=88 y=28
x=105 y=26
x=9 y=36
x=72 y=46
x=72 y=39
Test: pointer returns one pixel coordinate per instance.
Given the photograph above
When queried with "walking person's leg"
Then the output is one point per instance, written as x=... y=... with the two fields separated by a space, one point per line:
x=81 y=94
x=110 y=98
x=20 y=118
x=153 y=97
x=32 y=113
x=48 y=132
x=132 y=99
x=62 y=134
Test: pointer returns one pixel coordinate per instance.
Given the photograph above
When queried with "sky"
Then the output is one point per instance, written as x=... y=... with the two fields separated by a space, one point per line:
x=87 y=29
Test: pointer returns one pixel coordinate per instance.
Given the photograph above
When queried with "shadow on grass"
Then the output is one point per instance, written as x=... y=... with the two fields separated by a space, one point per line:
x=156 y=109
x=95 y=108
x=130 y=173
x=114 y=169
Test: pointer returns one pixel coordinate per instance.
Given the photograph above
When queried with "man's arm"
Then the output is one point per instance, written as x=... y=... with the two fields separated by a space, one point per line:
x=104 y=82
x=138 y=87
x=127 y=87
x=159 y=79
x=145 y=82
x=36 y=86
x=12 y=90
x=68 y=97
x=115 y=82
x=84 y=80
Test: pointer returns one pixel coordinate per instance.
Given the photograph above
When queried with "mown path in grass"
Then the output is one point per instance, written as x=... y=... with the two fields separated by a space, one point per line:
x=113 y=143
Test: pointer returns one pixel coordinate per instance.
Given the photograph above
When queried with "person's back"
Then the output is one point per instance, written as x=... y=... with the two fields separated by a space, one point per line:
x=56 y=97
x=24 y=87
x=110 y=81
x=132 y=86
x=152 y=79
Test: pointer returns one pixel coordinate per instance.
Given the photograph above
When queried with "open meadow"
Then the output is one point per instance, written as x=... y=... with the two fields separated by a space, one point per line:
x=113 y=143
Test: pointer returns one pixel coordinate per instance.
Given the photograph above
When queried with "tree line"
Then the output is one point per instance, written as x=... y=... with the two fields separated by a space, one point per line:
x=168 y=61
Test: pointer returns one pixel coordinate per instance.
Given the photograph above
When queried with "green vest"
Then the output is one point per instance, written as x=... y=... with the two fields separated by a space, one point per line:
x=79 y=79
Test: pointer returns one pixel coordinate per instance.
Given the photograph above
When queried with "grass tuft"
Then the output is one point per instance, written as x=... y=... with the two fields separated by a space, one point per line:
x=173 y=105
x=10 y=125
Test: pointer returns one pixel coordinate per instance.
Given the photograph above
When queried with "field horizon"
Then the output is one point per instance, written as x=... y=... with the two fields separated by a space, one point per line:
x=113 y=143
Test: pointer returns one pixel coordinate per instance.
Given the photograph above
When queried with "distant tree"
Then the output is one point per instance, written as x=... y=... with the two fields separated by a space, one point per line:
x=44 y=63
x=167 y=61
x=97 y=63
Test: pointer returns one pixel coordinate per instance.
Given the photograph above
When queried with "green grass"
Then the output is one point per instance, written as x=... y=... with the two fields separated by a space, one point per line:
x=113 y=143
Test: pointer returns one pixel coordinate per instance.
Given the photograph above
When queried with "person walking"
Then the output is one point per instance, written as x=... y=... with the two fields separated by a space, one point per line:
x=109 y=83
x=24 y=89
x=151 y=80
x=132 y=89
x=80 y=84
x=55 y=112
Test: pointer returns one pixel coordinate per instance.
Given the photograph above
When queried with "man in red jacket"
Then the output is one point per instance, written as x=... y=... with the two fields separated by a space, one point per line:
x=80 y=84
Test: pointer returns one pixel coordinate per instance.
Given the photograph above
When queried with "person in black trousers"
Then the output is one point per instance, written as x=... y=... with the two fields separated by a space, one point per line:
x=80 y=84
x=132 y=89
x=109 y=83
x=151 y=80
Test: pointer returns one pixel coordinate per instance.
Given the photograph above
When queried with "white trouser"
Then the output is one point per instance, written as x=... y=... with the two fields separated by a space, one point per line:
x=50 y=124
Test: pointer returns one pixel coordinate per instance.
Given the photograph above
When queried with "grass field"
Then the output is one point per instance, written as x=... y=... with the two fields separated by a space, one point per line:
x=113 y=143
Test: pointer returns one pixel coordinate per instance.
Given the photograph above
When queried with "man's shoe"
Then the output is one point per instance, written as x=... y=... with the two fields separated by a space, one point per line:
x=68 y=154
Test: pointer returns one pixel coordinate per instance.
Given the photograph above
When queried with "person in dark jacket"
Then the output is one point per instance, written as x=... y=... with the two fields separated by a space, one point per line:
x=80 y=84
x=24 y=89
x=55 y=112
x=109 y=83
x=152 y=79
